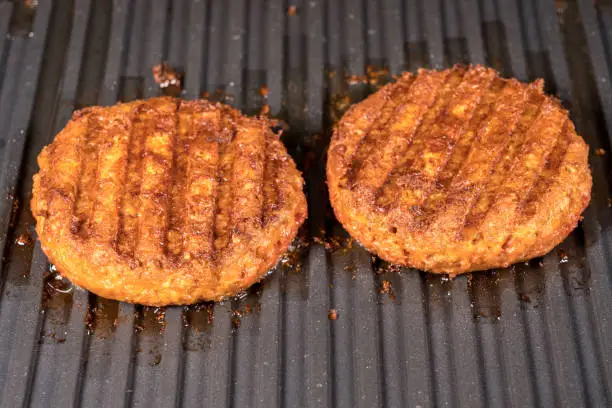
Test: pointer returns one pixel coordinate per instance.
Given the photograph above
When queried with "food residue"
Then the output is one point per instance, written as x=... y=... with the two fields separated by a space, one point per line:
x=387 y=289
x=291 y=10
x=600 y=152
x=166 y=76
x=332 y=314
x=23 y=239
x=263 y=91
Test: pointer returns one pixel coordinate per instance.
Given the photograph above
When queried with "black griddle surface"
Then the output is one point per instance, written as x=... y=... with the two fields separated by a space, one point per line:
x=536 y=334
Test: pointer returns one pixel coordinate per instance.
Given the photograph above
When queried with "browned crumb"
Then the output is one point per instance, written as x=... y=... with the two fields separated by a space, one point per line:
x=265 y=110
x=376 y=75
x=166 y=76
x=563 y=258
x=30 y=3
x=357 y=79
x=291 y=10
x=387 y=289
x=23 y=239
x=332 y=314
x=263 y=91
x=600 y=152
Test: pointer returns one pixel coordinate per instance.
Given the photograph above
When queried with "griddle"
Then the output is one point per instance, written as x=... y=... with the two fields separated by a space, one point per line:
x=536 y=334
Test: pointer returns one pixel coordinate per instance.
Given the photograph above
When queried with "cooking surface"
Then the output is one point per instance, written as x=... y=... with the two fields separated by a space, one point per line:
x=331 y=326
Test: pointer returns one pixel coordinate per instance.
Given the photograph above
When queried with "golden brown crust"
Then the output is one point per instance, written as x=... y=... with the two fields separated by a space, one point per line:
x=165 y=201
x=458 y=170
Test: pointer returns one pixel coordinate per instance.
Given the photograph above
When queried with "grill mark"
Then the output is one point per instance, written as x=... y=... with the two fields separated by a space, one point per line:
x=398 y=93
x=427 y=155
x=127 y=236
x=249 y=165
x=475 y=173
x=111 y=169
x=176 y=190
x=536 y=176
x=59 y=192
x=201 y=181
x=125 y=182
x=512 y=152
x=435 y=198
x=221 y=221
x=407 y=119
x=84 y=198
x=269 y=188
x=550 y=171
x=154 y=195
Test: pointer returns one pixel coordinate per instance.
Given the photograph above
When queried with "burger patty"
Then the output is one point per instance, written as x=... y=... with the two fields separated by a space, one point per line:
x=458 y=170
x=166 y=201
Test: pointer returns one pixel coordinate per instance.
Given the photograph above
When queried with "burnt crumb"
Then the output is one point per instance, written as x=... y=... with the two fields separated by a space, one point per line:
x=160 y=317
x=156 y=360
x=167 y=78
x=375 y=77
x=23 y=239
x=292 y=258
x=265 y=110
x=333 y=243
x=352 y=269
x=563 y=258
x=235 y=322
x=90 y=320
x=383 y=267
x=332 y=314
x=600 y=152
x=387 y=289
x=291 y=11
x=523 y=297
x=339 y=105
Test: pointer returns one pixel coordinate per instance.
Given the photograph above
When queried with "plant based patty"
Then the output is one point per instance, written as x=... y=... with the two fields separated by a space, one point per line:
x=165 y=201
x=458 y=170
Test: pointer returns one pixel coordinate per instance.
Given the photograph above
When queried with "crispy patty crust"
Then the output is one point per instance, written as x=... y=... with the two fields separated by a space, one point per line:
x=165 y=201
x=458 y=170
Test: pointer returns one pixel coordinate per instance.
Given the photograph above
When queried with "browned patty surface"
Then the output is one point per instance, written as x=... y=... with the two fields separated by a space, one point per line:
x=166 y=201
x=458 y=170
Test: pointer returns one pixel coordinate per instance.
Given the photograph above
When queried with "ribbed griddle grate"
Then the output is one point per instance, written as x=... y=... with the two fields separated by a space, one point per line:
x=535 y=335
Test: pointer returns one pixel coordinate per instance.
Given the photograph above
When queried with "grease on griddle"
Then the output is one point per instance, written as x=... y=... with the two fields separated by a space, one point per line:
x=14 y=209
x=24 y=239
x=239 y=313
x=485 y=298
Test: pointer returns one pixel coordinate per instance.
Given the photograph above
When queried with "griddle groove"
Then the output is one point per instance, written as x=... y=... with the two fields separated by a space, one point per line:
x=549 y=350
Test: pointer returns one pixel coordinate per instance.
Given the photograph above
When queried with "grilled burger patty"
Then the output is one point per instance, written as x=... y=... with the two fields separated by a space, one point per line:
x=166 y=201
x=458 y=170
